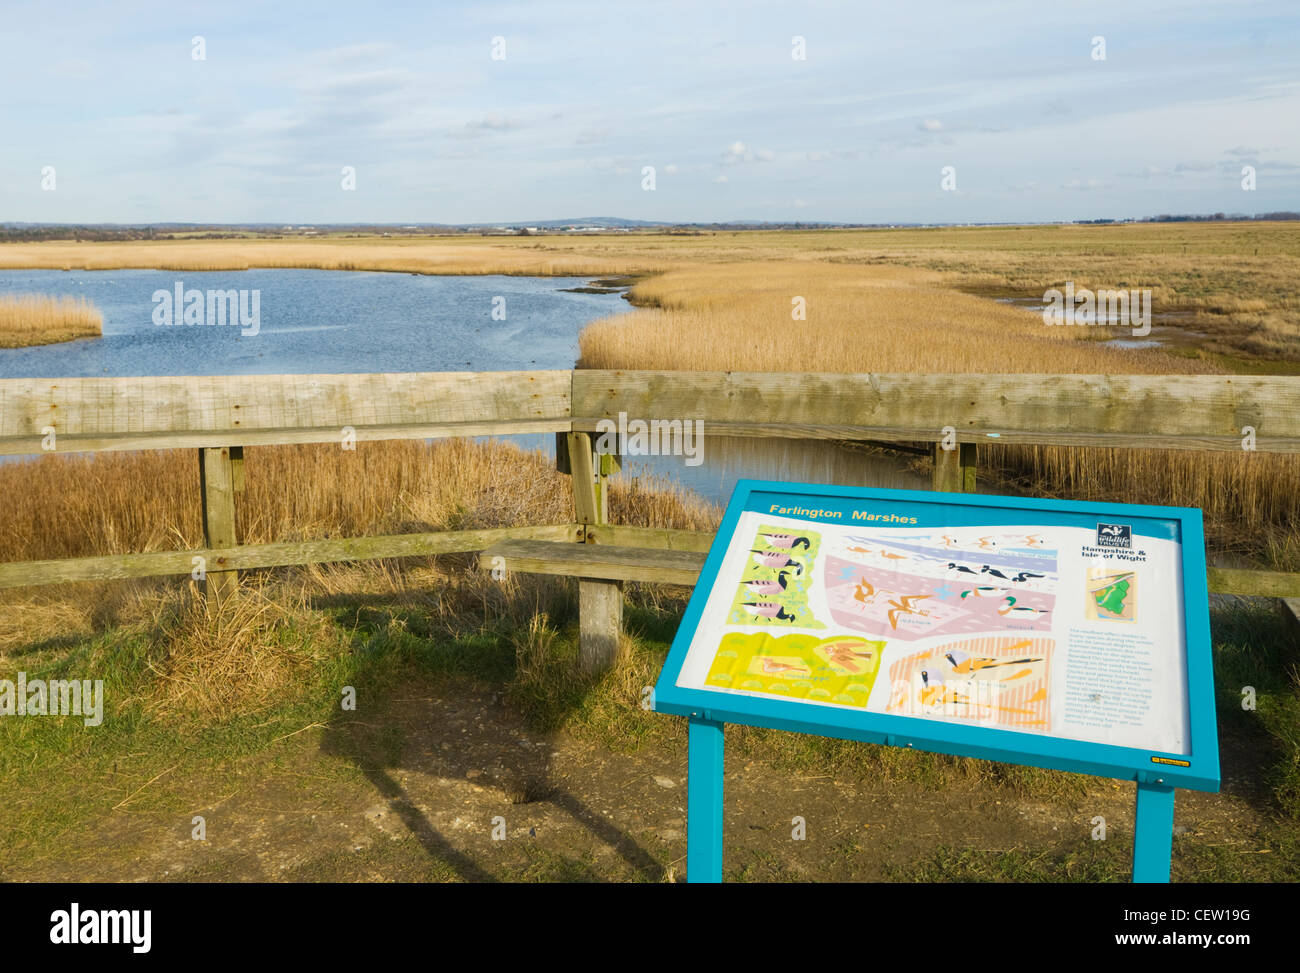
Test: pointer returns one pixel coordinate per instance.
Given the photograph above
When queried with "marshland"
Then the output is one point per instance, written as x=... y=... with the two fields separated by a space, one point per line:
x=254 y=685
x=38 y=319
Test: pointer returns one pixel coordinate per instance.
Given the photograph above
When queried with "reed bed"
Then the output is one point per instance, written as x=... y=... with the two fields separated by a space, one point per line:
x=740 y=317
x=870 y=318
x=61 y=506
x=115 y=503
x=37 y=319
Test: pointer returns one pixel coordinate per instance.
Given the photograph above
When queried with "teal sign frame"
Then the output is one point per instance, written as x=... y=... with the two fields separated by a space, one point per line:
x=1156 y=773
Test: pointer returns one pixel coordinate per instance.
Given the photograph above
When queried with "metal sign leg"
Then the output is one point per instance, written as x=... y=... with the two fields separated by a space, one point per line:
x=704 y=801
x=1153 y=833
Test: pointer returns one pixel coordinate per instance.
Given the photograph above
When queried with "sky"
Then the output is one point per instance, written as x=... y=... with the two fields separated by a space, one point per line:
x=487 y=112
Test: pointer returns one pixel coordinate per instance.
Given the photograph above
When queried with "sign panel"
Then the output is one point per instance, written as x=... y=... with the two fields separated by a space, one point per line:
x=1051 y=633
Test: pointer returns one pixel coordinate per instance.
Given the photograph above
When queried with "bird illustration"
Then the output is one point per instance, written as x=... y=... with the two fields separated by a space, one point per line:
x=965 y=664
x=893 y=557
x=864 y=591
x=1019 y=611
x=773 y=667
x=933 y=691
x=786 y=541
x=768 y=587
x=776 y=559
x=987 y=543
x=768 y=609
x=993 y=571
x=960 y=567
x=860 y=550
x=905 y=607
x=947 y=541
x=983 y=591
x=843 y=655
x=1024 y=576
x=1033 y=540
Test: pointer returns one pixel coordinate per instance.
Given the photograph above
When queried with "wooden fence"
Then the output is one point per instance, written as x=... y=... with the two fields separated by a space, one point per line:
x=218 y=416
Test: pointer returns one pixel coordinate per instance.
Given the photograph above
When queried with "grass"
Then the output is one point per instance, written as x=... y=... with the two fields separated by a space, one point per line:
x=35 y=319
x=1085 y=860
x=1255 y=651
x=189 y=713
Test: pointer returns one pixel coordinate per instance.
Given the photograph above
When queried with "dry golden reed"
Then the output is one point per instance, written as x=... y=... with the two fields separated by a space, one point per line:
x=874 y=318
x=36 y=319
x=255 y=647
x=114 y=503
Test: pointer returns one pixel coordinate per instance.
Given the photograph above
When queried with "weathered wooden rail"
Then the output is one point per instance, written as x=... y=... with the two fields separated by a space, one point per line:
x=218 y=416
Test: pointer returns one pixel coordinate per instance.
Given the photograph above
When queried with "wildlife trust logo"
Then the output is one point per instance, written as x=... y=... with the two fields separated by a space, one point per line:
x=1114 y=535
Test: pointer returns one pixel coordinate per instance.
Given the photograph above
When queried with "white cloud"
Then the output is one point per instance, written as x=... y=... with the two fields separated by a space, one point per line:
x=739 y=152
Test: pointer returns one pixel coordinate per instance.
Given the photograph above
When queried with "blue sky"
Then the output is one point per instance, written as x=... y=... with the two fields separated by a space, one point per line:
x=708 y=93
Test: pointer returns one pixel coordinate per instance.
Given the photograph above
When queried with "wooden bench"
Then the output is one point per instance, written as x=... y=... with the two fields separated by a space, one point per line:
x=601 y=571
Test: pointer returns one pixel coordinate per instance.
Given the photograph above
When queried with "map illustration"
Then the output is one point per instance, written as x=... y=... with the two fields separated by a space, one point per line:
x=1112 y=595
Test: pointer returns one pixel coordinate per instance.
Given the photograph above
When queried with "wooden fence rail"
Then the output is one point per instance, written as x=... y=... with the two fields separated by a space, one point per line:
x=217 y=416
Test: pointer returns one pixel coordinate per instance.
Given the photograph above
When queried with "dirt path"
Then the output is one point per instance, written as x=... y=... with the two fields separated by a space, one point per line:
x=417 y=795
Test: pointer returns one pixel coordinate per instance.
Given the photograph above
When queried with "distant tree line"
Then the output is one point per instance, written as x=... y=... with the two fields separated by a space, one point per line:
x=25 y=233
x=1211 y=217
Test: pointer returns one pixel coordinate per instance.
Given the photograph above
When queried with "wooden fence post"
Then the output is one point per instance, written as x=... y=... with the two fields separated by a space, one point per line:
x=954 y=469
x=217 y=486
x=600 y=602
x=600 y=622
x=586 y=503
x=968 y=467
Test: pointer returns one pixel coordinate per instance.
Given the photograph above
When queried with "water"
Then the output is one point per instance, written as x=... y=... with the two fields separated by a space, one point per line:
x=324 y=321
x=727 y=459
x=1109 y=319
x=315 y=321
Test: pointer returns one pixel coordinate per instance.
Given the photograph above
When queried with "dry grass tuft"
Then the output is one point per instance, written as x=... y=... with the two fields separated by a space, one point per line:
x=35 y=319
x=217 y=661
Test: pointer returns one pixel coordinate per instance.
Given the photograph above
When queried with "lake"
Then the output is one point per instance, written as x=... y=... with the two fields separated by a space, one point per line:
x=316 y=321
x=325 y=321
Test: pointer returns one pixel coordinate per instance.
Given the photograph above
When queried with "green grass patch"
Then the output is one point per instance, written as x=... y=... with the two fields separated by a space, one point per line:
x=64 y=779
